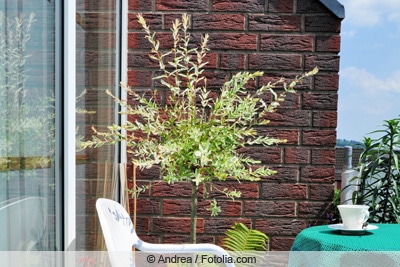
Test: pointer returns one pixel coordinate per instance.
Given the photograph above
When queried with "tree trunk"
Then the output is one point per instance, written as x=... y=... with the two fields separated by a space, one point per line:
x=193 y=214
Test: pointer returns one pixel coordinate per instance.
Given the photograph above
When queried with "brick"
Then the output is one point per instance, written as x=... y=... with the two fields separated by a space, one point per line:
x=238 y=6
x=322 y=23
x=220 y=225
x=249 y=189
x=181 y=5
x=291 y=136
x=321 y=192
x=139 y=5
x=270 y=208
x=326 y=82
x=295 y=155
x=154 y=21
x=180 y=207
x=284 y=191
x=323 y=62
x=284 y=227
x=137 y=78
x=233 y=41
x=295 y=118
x=313 y=209
x=163 y=189
x=280 y=6
x=317 y=174
x=319 y=137
x=146 y=206
x=287 y=42
x=323 y=156
x=270 y=155
x=284 y=175
x=175 y=225
x=281 y=243
x=275 y=62
x=316 y=101
x=313 y=6
x=182 y=239
x=137 y=40
x=326 y=119
x=141 y=60
x=286 y=23
x=212 y=61
x=233 y=61
x=328 y=43
x=218 y=21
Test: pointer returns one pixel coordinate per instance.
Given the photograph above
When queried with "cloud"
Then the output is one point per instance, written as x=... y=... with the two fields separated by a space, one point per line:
x=365 y=101
x=370 y=83
x=368 y=13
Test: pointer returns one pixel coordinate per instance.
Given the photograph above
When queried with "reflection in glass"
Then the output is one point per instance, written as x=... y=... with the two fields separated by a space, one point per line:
x=27 y=127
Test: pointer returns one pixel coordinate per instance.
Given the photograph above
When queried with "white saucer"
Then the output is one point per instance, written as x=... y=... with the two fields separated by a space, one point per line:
x=339 y=227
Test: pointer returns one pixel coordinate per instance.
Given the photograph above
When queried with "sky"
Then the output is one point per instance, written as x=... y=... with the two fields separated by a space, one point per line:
x=369 y=83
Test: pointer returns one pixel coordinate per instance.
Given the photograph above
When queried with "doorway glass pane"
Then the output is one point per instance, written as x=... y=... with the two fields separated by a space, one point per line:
x=96 y=72
x=27 y=125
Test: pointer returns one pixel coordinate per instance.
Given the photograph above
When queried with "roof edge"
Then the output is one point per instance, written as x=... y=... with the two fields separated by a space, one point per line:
x=335 y=7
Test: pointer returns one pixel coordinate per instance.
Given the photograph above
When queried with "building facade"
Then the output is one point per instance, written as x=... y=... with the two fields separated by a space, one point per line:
x=64 y=57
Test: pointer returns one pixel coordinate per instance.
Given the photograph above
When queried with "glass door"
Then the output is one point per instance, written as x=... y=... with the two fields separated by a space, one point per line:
x=27 y=125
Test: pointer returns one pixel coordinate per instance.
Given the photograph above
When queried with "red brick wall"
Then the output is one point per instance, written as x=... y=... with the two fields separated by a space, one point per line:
x=281 y=38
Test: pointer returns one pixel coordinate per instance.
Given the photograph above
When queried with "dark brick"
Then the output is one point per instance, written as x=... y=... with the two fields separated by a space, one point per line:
x=319 y=137
x=275 y=62
x=323 y=156
x=326 y=119
x=175 y=225
x=284 y=227
x=275 y=23
x=317 y=174
x=137 y=78
x=322 y=23
x=287 y=42
x=220 y=225
x=154 y=21
x=297 y=155
x=181 y=5
x=146 y=206
x=320 y=192
x=280 y=6
x=283 y=175
x=230 y=41
x=313 y=209
x=233 y=61
x=139 y=5
x=327 y=82
x=323 y=62
x=239 y=5
x=291 y=136
x=320 y=101
x=270 y=155
x=281 y=243
x=328 y=43
x=218 y=21
x=311 y=6
x=163 y=189
x=284 y=191
x=270 y=208
x=297 y=118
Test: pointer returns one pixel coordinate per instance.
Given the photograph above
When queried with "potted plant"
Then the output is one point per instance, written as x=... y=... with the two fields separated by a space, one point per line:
x=195 y=133
x=378 y=178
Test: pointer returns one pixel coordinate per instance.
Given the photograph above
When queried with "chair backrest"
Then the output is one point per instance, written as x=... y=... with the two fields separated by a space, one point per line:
x=23 y=223
x=117 y=226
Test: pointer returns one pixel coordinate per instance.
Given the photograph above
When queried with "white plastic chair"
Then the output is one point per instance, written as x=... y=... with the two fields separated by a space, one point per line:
x=120 y=237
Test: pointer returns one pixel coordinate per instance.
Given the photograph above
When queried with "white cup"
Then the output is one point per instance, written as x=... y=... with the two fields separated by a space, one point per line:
x=353 y=216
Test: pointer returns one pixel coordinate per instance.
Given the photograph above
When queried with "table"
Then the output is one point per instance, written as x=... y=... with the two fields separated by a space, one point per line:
x=323 y=246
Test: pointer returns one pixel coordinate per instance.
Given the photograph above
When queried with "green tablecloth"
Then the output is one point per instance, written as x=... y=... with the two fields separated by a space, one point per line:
x=323 y=246
x=323 y=238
